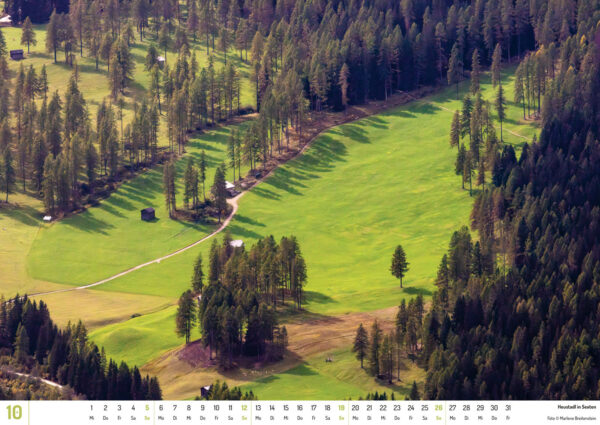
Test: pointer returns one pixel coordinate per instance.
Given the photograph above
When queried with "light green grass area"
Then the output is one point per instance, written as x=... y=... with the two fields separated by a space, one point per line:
x=143 y=338
x=340 y=379
x=19 y=223
x=111 y=238
x=361 y=189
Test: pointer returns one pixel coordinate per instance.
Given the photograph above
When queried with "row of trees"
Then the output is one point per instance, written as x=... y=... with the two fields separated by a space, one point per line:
x=515 y=314
x=236 y=310
x=67 y=356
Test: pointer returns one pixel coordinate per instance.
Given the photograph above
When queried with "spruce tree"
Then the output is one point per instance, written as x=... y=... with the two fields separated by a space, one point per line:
x=455 y=130
x=361 y=344
x=8 y=172
x=399 y=265
x=374 y=348
x=475 y=72
x=27 y=34
x=185 y=318
x=198 y=276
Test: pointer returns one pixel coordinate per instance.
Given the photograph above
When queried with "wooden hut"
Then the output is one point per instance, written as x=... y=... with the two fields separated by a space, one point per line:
x=148 y=214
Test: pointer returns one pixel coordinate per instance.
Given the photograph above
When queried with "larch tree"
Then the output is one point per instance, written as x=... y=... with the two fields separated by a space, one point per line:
x=185 y=318
x=475 y=72
x=455 y=130
x=344 y=83
x=500 y=108
x=399 y=265
x=27 y=34
x=8 y=173
x=198 y=276
x=164 y=39
x=361 y=344
x=219 y=191
x=53 y=34
x=455 y=67
x=496 y=64
x=374 y=349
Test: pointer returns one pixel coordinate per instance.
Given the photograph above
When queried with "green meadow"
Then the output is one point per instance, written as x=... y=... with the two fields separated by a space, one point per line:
x=359 y=190
x=340 y=379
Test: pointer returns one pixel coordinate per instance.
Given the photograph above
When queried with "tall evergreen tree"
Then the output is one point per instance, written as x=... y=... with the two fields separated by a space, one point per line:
x=399 y=265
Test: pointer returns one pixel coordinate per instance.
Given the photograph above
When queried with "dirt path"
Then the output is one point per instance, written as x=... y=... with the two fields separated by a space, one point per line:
x=26 y=375
x=328 y=121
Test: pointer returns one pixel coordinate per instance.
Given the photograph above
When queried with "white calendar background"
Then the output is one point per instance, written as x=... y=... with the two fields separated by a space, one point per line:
x=298 y=412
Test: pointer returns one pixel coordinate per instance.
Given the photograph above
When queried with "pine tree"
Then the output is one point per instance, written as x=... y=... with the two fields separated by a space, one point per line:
x=27 y=34
x=496 y=64
x=164 y=39
x=198 y=276
x=219 y=191
x=414 y=392
x=185 y=318
x=361 y=344
x=188 y=182
x=374 y=348
x=8 y=176
x=169 y=187
x=203 y=173
x=344 y=83
x=475 y=72
x=21 y=344
x=399 y=265
x=500 y=108
x=52 y=34
x=455 y=130
x=455 y=67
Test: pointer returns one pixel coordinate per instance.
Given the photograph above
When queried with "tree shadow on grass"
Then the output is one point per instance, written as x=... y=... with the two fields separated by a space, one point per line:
x=247 y=220
x=25 y=214
x=87 y=223
x=243 y=232
x=317 y=298
x=411 y=290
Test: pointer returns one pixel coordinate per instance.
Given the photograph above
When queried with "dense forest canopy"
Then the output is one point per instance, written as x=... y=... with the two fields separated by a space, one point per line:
x=528 y=328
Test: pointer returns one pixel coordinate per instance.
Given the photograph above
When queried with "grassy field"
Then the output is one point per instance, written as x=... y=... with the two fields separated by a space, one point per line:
x=358 y=191
x=20 y=222
x=316 y=379
x=114 y=233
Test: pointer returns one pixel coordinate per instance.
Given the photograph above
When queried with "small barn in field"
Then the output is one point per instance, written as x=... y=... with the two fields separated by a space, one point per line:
x=148 y=214
x=5 y=21
x=17 y=55
x=205 y=390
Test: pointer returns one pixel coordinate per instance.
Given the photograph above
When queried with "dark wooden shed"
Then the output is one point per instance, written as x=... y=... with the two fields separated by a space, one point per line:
x=16 y=54
x=148 y=214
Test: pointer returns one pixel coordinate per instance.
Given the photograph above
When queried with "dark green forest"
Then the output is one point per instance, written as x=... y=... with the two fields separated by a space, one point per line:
x=30 y=340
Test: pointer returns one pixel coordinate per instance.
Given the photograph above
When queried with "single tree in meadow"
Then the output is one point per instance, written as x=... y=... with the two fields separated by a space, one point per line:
x=27 y=34
x=361 y=344
x=455 y=130
x=198 y=276
x=185 y=318
x=399 y=265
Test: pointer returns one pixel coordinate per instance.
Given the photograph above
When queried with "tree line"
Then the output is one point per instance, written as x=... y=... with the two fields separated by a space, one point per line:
x=67 y=356
x=236 y=311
